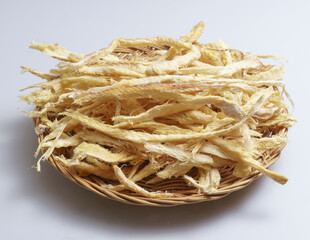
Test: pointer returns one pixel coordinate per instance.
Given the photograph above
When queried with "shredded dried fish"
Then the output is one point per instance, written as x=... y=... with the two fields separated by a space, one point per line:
x=169 y=108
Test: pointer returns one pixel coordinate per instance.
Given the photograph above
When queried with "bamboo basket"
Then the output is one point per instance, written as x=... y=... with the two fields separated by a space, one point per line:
x=183 y=194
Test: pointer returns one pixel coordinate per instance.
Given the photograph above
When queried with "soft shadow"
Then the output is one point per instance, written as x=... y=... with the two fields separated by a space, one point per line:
x=49 y=189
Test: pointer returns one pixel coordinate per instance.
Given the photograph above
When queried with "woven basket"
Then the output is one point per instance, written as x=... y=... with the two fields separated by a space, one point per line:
x=183 y=194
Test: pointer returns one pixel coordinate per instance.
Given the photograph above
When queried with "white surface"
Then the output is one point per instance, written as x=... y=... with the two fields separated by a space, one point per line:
x=48 y=206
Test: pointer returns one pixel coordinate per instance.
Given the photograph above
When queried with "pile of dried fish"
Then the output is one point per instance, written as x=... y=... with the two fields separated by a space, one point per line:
x=166 y=107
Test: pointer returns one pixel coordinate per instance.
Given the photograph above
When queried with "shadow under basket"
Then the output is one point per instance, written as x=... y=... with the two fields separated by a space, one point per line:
x=183 y=194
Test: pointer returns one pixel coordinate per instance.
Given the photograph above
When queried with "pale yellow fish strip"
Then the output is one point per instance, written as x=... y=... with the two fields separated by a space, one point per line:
x=39 y=74
x=242 y=170
x=103 y=70
x=144 y=172
x=274 y=73
x=221 y=71
x=56 y=51
x=156 y=128
x=65 y=141
x=272 y=56
x=157 y=111
x=174 y=170
x=53 y=137
x=179 y=154
x=209 y=183
x=133 y=186
x=209 y=148
x=267 y=142
x=172 y=66
x=195 y=33
x=192 y=117
x=86 y=169
x=265 y=93
x=193 y=79
x=94 y=150
x=238 y=154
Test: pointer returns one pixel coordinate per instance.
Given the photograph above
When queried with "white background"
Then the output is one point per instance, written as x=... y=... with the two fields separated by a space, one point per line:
x=48 y=206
